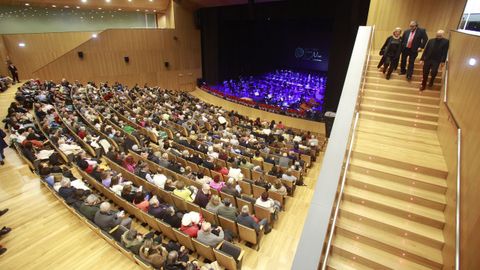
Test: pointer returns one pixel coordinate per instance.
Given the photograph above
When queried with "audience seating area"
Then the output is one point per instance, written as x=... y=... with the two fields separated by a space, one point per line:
x=148 y=149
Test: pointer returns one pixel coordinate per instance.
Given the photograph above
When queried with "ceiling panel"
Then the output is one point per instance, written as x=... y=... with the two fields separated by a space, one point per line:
x=141 y=5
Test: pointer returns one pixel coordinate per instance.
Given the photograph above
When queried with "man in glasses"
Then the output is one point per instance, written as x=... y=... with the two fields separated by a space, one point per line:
x=414 y=40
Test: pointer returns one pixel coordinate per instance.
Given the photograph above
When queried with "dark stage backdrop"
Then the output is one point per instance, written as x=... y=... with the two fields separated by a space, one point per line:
x=255 y=47
x=303 y=35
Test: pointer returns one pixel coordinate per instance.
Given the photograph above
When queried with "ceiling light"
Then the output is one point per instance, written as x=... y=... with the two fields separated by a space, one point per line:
x=78 y=7
x=472 y=61
x=108 y=1
x=66 y=7
x=138 y=9
x=94 y=35
x=119 y=9
x=146 y=10
x=84 y=1
x=150 y=0
x=21 y=44
x=100 y=8
x=54 y=6
x=27 y=4
x=129 y=0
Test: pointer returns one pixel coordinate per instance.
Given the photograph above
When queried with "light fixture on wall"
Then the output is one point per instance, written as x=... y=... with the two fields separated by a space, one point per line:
x=21 y=44
x=94 y=35
x=472 y=62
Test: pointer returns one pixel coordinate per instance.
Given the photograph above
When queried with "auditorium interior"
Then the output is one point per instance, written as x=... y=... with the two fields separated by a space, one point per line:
x=239 y=134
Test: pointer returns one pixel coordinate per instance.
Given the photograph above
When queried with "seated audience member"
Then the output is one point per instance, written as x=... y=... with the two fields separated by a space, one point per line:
x=66 y=190
x=190 y=223
x=154 y=254
x=221 y=169
x=206 y=236
x=107 y=219
x=246 y=164
x=279 y=188
x=227 y=210
x=129 y=164
x=170 y=185
x=247 y=220
x=217 y=183
x=156 y=209
x=235 y=172
x=107 y=178
x=289 y=177
x=172 y=262
x=275 y=172
x=182 y=191
x=269 y=203
x=132 y=240
x=203 y=196
x=89 y=207
x=284 y=161
x=141 y=201
x=262 y=183
x=229 y=188
x=171 y=218
x=214 y=204
x=127 y=193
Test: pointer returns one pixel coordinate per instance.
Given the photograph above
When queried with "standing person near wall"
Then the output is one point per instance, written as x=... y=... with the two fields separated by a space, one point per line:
x=413 y=41
x=3 y=145
x=435 y=55
x=13 y=70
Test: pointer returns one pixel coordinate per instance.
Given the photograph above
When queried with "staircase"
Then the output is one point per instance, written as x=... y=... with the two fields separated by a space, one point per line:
x=391 y=215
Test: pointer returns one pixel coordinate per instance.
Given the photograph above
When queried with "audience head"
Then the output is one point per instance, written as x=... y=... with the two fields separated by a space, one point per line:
x=92 y=199
x=154 y=201
x=264 y=196
x=245 y=209
x=180 y=184
x=206 y=227
x=215 y=200
x=172 y=257
x=227 y=202
x=216 y=178
x=104 y=207
x=65 y=182
x=413 y=25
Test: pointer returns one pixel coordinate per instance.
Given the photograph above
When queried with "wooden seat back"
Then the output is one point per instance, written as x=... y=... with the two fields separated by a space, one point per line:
x=204 y=250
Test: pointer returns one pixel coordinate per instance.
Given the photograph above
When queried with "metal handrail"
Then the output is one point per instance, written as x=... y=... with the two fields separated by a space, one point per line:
x=347 y=162
x=457 y=221
x=342 y=186
x=459 y=157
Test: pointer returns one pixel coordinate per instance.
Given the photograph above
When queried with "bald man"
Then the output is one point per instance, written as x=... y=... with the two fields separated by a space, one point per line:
x=435 y=54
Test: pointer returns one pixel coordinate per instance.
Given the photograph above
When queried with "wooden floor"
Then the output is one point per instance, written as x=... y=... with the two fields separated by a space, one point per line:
x=45 y=235
x=391 y=215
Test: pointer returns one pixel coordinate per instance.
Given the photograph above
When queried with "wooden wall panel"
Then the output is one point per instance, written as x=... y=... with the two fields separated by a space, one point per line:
x=3 y=57
x=147 y=49
x=447 y=135
x=463 y=100
x=430 y=14
x=40 y=49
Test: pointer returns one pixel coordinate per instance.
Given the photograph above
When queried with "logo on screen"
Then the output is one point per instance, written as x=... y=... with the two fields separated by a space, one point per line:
x=308 y=54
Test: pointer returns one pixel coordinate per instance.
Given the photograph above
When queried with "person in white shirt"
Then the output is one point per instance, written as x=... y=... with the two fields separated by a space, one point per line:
x=235 y=172
x=268 y=203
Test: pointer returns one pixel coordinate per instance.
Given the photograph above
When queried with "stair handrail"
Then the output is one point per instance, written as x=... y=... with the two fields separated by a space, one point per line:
x=459 y=159
x=349 y=154
x=340 y=194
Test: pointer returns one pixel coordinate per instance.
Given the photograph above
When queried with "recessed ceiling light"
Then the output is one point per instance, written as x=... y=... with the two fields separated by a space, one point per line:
x=84 y=1
x=100 y=8
x=94 y=35
x=138 y=9
x=66 y=7
x=21 y=44
x=54 y=6
x=129 y=0
x=27 y=4
x=78 y=7
x=154 y=10
x=108 y=1
x=472 y=61
x=151 y=0
x=119 y=9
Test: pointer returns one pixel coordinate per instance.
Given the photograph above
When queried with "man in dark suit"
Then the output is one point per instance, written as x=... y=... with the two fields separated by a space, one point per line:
x=435 y=54
x=413 y=41
x=13 y=70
